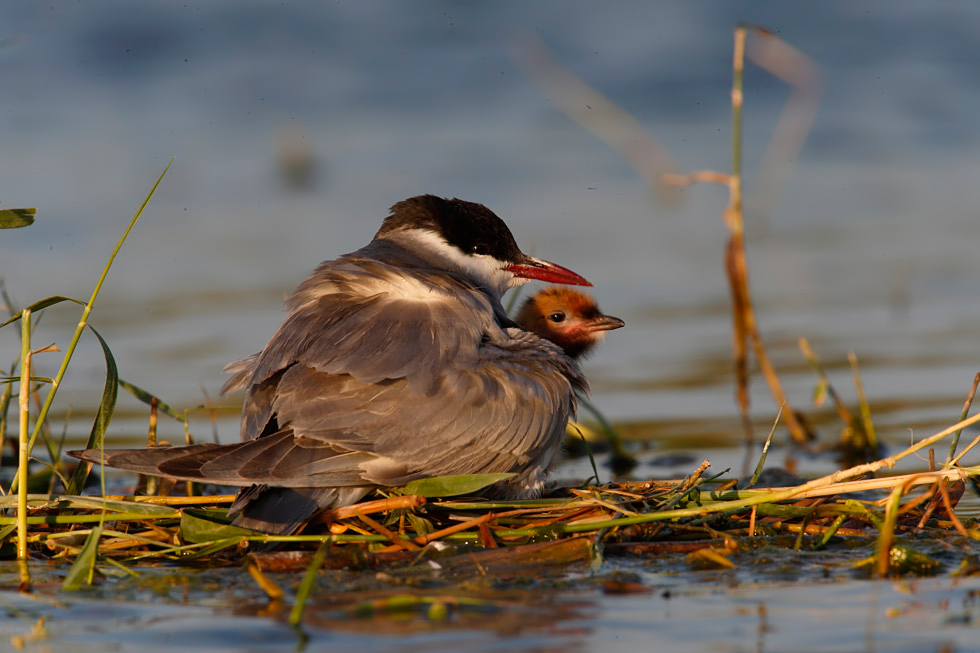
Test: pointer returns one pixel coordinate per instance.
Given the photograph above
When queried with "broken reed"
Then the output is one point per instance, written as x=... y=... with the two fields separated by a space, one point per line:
x=745 y=328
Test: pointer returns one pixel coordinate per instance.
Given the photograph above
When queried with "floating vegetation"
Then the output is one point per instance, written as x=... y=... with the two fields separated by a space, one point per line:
x=708 y=519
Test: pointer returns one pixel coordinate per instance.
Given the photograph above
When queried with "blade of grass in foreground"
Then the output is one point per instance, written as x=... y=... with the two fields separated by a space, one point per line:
x=83 y=322
x=306 y=586
x=83 y=568
x=96 y=438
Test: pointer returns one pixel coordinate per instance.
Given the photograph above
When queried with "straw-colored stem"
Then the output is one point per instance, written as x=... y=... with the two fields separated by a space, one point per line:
x=23 y=448
x=151 y=441
x=842 y=410
x=744 y=315
x=883 y=555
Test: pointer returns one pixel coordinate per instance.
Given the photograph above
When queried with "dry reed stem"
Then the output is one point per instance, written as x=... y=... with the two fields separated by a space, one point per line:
x=174 y=501
x=689 y=482
x=408 y=501
x=744 y=324
x=396 y=539
x=23 y=450
x=857 y=470
x=912 y=503
x=269 y=586
x=582 y=494
x=974 y=442
x=842 y=410
x=629 y=495
x=933 y=504
x=744 y=313
x=944 y=491
x=920 y=478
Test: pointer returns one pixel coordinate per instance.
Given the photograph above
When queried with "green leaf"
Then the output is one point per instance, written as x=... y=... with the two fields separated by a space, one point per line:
x=306 y=585
x=96 y=439
x=148 y=397
x=198 y=525
x=131 y=507
x=421 y=525
x=450 y=486
x=38 y=305
x=66 y=502
x=14 y=218
x=81 y=570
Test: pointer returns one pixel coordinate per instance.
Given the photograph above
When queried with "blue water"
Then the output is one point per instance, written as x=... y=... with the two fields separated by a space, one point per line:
x=872 y=246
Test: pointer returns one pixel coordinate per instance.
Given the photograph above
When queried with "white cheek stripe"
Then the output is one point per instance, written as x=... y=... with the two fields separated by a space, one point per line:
x=482 y=268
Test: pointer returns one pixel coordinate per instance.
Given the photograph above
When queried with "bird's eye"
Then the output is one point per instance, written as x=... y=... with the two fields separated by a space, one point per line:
x=557 y=316
x=480 y=250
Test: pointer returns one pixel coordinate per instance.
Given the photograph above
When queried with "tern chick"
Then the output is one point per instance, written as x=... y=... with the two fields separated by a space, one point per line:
x=569 y=318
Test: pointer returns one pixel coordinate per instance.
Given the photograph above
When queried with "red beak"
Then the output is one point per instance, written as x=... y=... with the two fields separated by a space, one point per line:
x=535 y=268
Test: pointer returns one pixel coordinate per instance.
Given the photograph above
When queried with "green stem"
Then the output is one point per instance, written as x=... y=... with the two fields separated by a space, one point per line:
x=83 y=322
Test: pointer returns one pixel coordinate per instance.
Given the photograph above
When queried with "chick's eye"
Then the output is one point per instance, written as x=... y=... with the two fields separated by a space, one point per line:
x=557 y=316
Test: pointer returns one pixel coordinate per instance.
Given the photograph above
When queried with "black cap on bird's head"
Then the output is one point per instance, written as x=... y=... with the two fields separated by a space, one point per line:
x=475 y=231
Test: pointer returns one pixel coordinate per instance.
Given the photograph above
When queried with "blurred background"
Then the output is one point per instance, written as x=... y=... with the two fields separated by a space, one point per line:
x=295 y=126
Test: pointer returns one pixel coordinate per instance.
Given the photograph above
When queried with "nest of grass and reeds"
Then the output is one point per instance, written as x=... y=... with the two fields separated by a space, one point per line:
x=707 y=519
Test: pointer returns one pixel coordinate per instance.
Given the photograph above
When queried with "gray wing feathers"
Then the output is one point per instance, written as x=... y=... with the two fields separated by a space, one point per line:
x=241 y=372
x=495 y=417
x=281 y=459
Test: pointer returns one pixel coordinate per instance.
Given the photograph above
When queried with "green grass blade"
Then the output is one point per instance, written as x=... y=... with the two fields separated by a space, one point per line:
x=82 y=569
x=147 y=398
x=16 y=218
x=306 y=586
x=38 y=305
x=130 y=507
x=96 y=439
x=765 y=452
x=46 y=406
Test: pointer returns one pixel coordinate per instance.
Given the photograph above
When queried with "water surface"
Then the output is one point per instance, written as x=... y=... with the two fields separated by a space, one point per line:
x=871 y=249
